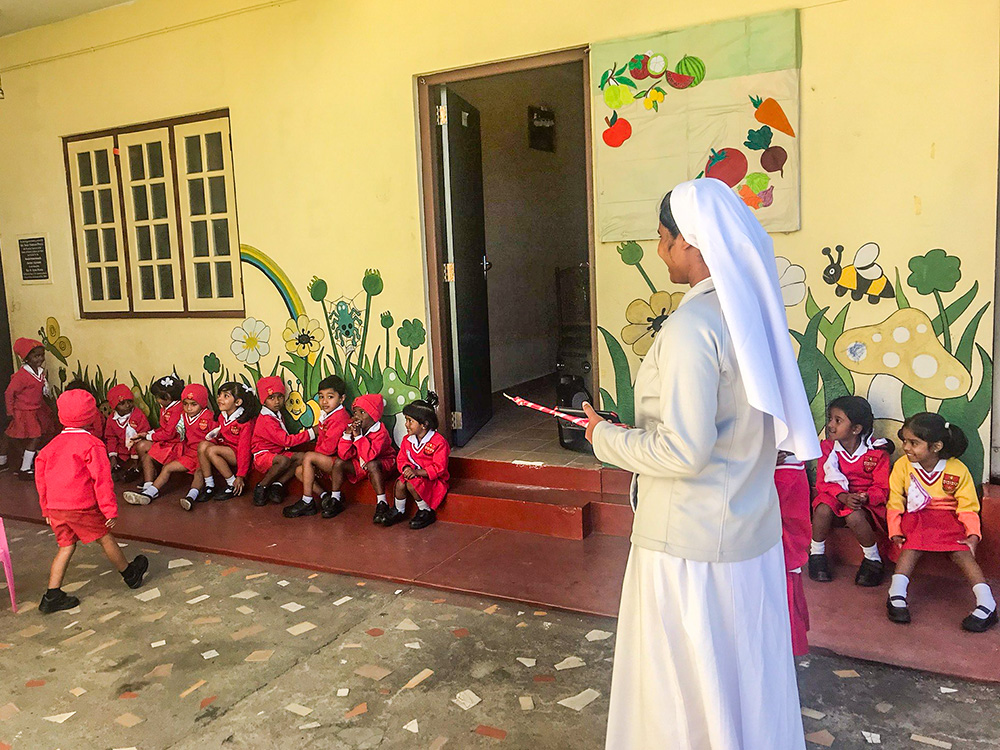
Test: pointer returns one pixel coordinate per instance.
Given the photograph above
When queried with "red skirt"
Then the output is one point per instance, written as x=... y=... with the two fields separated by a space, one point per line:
x=431 y=491
x=359 y=474
x=189 y=459
x=165 y=453
x=28 y=424
x=933 y=530
x=72 y=526
x=798 y=613
x=840 y=510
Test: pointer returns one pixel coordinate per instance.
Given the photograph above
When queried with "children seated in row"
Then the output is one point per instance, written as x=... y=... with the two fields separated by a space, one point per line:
x=227 y=448
x=272 y=443
x=125 y=418
x=31 y=418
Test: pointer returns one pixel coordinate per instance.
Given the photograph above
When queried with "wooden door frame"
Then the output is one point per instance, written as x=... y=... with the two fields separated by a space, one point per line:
x=439 y=320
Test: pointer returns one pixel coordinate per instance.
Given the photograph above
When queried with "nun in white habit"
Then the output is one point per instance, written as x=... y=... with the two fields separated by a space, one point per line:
x=703 y=659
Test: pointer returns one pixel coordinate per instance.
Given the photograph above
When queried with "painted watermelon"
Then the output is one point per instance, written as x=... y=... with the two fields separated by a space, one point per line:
x=677 y=81
x=692 y=66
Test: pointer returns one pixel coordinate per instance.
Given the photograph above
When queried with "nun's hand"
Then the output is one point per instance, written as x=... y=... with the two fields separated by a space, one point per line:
x=593 y=420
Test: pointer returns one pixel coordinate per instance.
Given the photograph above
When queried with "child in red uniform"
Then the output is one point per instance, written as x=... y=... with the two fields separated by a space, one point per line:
x=272 y=443
x=96 y=428
x=31 y=418
x=365 y=450
x=125 y=419
x=196 y=422
x=933 y=507
x=793 y=499
x=422 y=464
x=334 y=420
x=73 y=477
x=852 y=486
x=227 y=447
x=166 y=442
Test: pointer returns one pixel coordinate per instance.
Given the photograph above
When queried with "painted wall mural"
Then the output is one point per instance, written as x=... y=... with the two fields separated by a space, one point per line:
x=919 y=354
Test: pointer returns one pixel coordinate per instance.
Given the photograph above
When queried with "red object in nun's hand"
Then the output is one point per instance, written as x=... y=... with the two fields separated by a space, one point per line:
x=578 y=421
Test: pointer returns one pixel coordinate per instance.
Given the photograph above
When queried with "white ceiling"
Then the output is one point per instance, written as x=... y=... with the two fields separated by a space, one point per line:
x=18 y=15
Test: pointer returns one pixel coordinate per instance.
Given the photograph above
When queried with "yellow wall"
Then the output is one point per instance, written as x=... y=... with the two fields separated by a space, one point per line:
x=898 y=101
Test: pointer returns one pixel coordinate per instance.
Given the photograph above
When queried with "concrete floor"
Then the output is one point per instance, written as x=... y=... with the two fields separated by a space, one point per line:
x=377 y=642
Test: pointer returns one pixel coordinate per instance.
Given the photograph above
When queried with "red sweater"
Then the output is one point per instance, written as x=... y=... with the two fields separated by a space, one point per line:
x=167 y=432
x=238 y=436
x=868 y=472
x=330 y=430
x=114 y=431
x=73 y=472
x=376 y=444
x=271 y=436
x=432 y=457
x=25 y=392
x=196 y=429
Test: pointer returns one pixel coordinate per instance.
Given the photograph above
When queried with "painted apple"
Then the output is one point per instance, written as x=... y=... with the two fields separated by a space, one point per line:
x=728 y=165
x=619 y=130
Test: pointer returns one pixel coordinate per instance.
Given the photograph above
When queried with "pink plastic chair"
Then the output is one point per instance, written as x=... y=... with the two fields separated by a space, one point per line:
x=8 y=570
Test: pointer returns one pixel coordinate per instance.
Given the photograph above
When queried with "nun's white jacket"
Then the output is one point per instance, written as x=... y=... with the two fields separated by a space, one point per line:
x=704 y=459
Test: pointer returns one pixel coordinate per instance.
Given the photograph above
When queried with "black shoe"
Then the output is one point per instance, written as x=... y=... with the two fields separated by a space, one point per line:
x=276 y=493
x=4 y=467
x=301 y=508
x=132 y=575
x=331 y=506
x=980 y=624
x=900 y=614
x=870 y=573
x=57 y=603
x=225 y=493
x=129 y=474
x=819 y=569
x=203 y=497
x=392 y=517
x=381 y=511
x=208 y=493
x=260 y=495
x=423 y=519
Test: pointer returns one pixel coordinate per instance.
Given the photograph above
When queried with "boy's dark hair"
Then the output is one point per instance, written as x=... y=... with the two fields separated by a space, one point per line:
x=859 y=412
x=423 y=411
x=333 y=383
x=78 y=385
x=932 y=428
x=667 y=216
x=251 y=406
x=169 y=386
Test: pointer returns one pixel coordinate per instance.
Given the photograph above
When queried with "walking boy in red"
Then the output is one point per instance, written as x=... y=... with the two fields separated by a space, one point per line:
x=31 y=418
x=365 y=451
x=228 y=446
x=422 y=464
x=125 y=420
x=796 y=531
x=272 y=443
x=77 y=497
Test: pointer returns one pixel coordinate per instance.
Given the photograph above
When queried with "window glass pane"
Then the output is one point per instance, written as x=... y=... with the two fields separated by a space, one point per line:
x=110 y=245
x=213 y=150
x=203 y=280
x=89 y=207
x=154 y=151
x=103 y=169
x=162 y=234
x=196 y=190
x=114 y=283
x=107 y=206
x=192 y=147
x=146 y=282
x=96 y=284
x=136 y=168
x=86 y=172
x=139 y=201
x=217 y=191
x=224 y=279
x=166 y=273
x=93 y=243
x=199 y=231
x=145 y=245
x=158 y=192
x=220 y=228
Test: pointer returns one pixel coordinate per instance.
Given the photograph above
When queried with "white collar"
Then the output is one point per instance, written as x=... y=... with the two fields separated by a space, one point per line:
x=195 y=418
x=929 y=477
x=268 y=412
x=863 y=447
x=171 y=404
x=40 y=375
x=76 y=429
x=419 y=444
x=122 y=419
x=237 y=413
x=702 y=287
x=374 y=428
x=325 y=415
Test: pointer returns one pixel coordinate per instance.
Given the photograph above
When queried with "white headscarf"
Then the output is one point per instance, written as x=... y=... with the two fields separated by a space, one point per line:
x=740 y=257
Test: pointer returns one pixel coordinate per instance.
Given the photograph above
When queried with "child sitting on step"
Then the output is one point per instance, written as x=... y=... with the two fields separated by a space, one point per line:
x=228 y=446
x=272 y=443
x=365 y=451
x=124 y=417
x=422 y=464
x=166 y=443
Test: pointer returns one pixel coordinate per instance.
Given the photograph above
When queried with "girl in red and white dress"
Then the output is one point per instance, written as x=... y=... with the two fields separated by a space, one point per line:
x=166 y=442
x=124 y=418
x=796 y=530
x=423 y=464
x=852 y=486
x=365 y=451
x=272 y=443
x=227 y=447
x=934 y=507
x=31 y=418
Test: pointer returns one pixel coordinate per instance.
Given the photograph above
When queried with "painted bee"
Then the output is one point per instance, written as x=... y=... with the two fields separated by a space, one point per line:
x=863 y=277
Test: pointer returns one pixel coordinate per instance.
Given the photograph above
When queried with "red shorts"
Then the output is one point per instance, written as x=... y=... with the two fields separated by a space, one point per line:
x=933 y=530
x=358 y=474
x=165 y=453
x=28 y=424
x=72 y=526
x=263 y=461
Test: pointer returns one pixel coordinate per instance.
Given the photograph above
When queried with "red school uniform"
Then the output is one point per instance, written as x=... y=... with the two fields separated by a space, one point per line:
x=114 y=432
x=331 y=427
x=374 y=445
x=796 y=532
x=271 y=438
x=168 y=438
x=195 y=428
x=30 y=416
x=237 y=435
x=866 y=470
x=430 y=454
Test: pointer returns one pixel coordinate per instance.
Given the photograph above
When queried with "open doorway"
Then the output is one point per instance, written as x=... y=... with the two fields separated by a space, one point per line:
x=512 y=250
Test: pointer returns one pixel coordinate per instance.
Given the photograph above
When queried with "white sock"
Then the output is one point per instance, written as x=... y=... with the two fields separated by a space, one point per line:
x=151 y=491
x=3 y=460
x=421 y=505
x=401 y=504
x=898 y=585
x=335 y=495
x=209 y=482
x=192 y=494
x=871 y=553
x=817 y=548
x=146 y=486
x=307 y=499
x=984 y=598
x=26 y=460
x=231 y=480
x=382 y=500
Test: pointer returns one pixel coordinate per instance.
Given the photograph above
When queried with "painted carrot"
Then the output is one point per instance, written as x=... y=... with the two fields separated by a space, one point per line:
x=769 y=112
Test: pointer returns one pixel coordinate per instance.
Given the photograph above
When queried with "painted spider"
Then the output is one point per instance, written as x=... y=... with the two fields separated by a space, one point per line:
x=345 y=322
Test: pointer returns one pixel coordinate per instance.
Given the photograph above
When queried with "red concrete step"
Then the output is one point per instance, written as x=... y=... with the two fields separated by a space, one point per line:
x=553 y=477
x=612 y=515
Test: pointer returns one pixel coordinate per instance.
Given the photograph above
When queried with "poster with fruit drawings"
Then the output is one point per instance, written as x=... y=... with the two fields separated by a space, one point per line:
x=719 y=100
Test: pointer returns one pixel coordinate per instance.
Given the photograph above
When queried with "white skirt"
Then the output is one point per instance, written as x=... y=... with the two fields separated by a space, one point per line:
x=703 y=659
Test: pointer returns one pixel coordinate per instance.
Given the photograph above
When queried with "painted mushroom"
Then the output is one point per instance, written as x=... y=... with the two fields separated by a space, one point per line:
x=904 y=346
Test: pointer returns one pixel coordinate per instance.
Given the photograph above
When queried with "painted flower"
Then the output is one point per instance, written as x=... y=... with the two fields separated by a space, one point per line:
x=302 y=336
x=295 y=404
x=372 y=283
x=317 y=289
x=411 y=334
x=792 y=280
x=250 y=341
x=935 y=271
x=212 y=364
x=387 y=321
x=646 y=318
x=631 y=252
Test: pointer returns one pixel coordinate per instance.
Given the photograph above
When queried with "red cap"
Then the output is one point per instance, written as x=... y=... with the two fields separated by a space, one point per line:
x=197 y=393
x=373 y=405
x=24 y=347
x=269 y=386
x=77 y=408
x=119 y=393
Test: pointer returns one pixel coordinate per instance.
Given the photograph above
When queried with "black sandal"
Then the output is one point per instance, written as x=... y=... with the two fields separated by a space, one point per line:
x=899 y=614
x=975 y=624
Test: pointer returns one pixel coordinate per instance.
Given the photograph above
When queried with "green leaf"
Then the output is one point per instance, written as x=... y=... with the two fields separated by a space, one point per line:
x=607 y=403
x=604 y=79
x=415 y=375
x=623 y=377
x=912 y=402
x=956 y=308
x=759 y=140
x=656 y=106
x=423 y=386
x=818 y=408
x=831 y=332
x=626 y=82
x=964 y=351
x=901 y=301
x=400 y=370
x=811 y=307
x=620 y=70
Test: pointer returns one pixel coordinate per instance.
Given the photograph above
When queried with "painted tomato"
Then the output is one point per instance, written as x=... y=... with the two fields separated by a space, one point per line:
x=728 y=165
